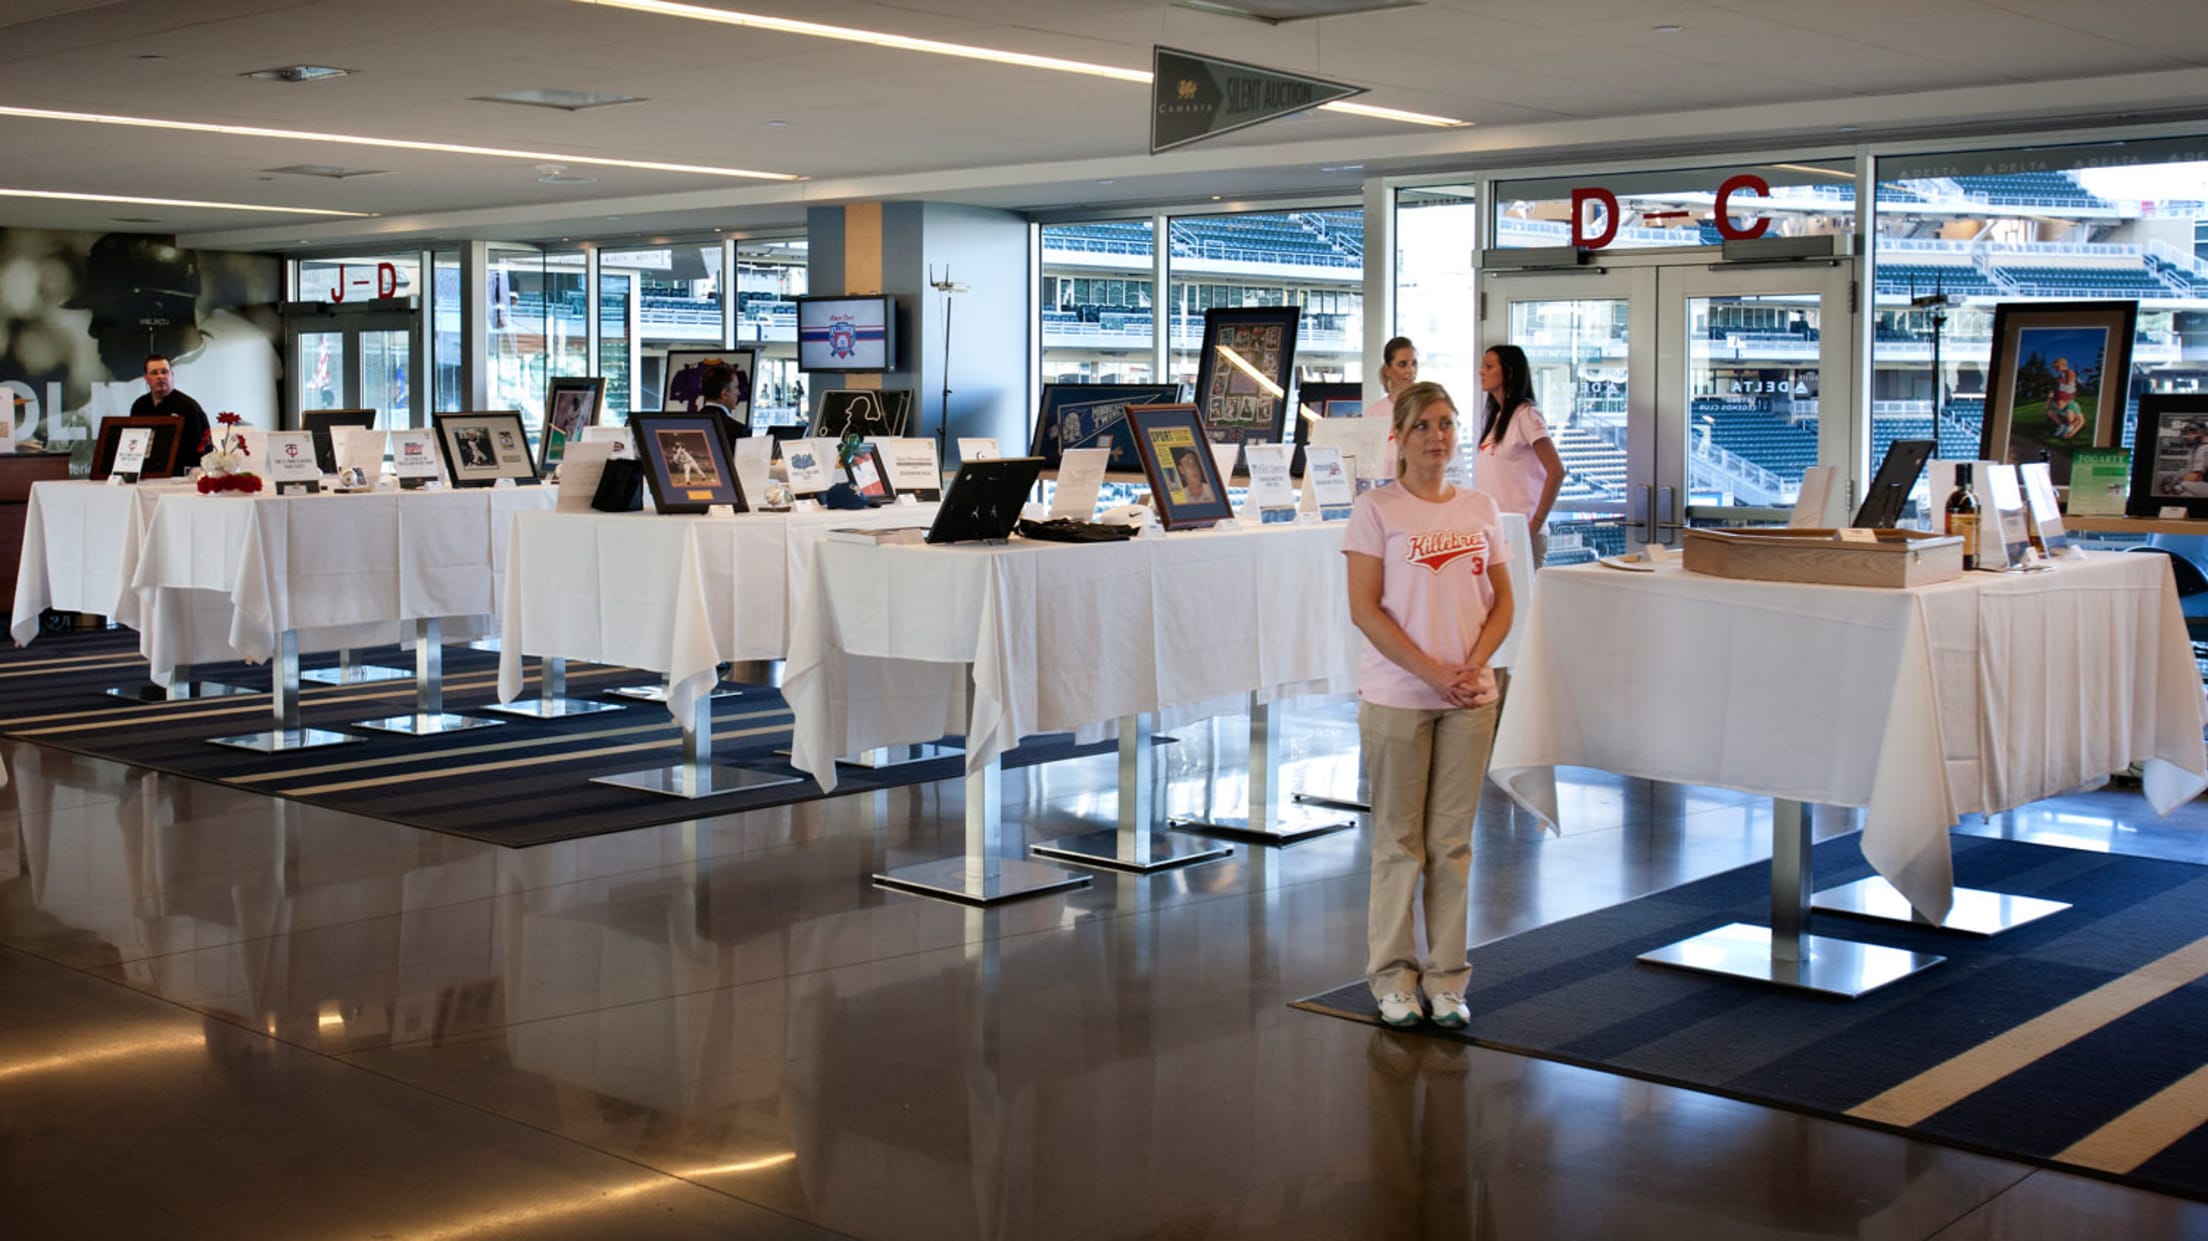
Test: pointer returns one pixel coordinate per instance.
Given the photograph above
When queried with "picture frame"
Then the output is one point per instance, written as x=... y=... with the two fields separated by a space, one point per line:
x=481 y=446
x=869 y=474
x=683 y=387
x=1245 y=374
x=1073 y=415
x=2058 y=380
x=571 y=405
x=984 y=500
x=2169 y=448
x=686 y=462
x=321 y=422
x=160 y=458
x=1177 y=459
x=1324 y=399
x=869 y=412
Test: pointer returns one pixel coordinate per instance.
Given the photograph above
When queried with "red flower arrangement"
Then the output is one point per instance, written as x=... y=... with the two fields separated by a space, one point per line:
x=209 y=484
x=223 y=469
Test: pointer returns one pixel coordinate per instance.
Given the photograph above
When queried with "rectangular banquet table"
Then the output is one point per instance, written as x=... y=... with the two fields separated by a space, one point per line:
x=1968 y=696
x=80 y=546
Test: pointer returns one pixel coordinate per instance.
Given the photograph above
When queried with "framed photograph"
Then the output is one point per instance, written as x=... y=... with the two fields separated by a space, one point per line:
x=2169 y=455
x=868 y=412
x=482 y=446
x=869 y=475
x=1321 y=400
x=2057 y=382
x=570 y=404
x=1244 y=373
x=686 y=462
x=1177 y=458
x=161 y=458
x=686 y=371
x=1094 y=416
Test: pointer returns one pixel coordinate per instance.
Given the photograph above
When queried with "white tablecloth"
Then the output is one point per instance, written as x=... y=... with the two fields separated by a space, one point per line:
x=80 y=546
x=1922 y=705
x=1059 y=636
x=221 y=576
x=678 y=595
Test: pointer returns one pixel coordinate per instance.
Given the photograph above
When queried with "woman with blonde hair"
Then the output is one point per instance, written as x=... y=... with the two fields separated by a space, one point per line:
x=1429 y=591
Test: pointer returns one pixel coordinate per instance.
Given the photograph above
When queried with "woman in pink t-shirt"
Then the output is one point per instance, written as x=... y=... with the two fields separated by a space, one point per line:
x=1428 y=590
x=1517 y=462
x=1398 y=370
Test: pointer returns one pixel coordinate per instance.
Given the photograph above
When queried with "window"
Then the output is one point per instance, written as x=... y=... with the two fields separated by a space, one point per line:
x=1677 y=206
x=678 y=306
x=360 y=279
x=1311 y=259
x=770 y=275
x=1096 y=302
x=536 y=302
x=1437 y=296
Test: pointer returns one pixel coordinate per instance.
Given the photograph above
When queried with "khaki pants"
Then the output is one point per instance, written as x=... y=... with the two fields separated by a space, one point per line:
x=1425 y=769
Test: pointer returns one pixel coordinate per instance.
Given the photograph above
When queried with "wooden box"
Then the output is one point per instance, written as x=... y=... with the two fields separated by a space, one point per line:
x=1899 y=558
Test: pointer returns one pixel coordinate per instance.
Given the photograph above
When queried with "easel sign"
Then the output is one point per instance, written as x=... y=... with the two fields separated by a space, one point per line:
x=1272 y=490
x=414 y=459
x=130 y=455
x=1326 y=483
x=292 y=465
x=912 y=466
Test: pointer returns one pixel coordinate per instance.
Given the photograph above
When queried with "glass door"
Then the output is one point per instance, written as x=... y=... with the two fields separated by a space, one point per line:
x=1680 y=391
x=365 y=358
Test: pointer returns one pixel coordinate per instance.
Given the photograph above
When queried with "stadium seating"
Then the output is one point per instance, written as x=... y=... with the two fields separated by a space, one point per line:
x=2030 y=189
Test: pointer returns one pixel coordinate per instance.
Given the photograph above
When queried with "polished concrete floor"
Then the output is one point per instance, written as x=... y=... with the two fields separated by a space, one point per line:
x=225 y=1016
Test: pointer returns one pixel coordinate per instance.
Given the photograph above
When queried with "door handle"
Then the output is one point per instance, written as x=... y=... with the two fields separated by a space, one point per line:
x=1668 y=529
x=1646 y=517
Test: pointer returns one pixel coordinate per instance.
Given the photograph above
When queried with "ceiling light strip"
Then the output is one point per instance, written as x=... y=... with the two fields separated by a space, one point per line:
x=398 y=144
x=64 y=196
x=967 y=51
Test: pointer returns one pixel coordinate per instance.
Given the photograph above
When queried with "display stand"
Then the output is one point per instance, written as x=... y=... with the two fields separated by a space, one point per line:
x=553 y=702
x=283 y=679
x=1974 y=912
x=696 y=776
x=429 y=716
x=350 y=671
x=1784 y=954
x=1261 y=825
x=1137 y=845
x=982 y=875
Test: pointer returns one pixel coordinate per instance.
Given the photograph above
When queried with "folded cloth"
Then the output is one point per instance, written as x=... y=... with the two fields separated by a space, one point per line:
x=1067 y=530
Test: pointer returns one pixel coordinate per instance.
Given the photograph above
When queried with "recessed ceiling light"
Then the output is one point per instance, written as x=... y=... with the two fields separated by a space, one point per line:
x=613 y=219
x=967 y=51
x=1849 y=129
x=134 y=219
x=557 y=174
x=399 y=144
x=297 y=73
x=564 y=100
x=151 y=56
x=1667 y=29
x=61 y=196
x=331 y=171
x=1104 y=180
x=778 y=124
x=1342 y=168
x=1281 y=12
x=1215 y=198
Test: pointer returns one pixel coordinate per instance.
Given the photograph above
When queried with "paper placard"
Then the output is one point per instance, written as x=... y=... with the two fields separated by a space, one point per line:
x=2009 y=519
x=913 y=469
x=754 y=466
x=1363 y=443
x=1815 y=497
x=2039 y=499
x=1858 y=534
x=808 y=462
x=414 y=455
x=580 y=468
x=1326 y=482
x=622 y=438
x=1271 y=488
x=979 y=449
x=360 y=447
x=2099 y=480
x=1080 y=478
x=291 y=458
x=131 y=448
x=2174 y=512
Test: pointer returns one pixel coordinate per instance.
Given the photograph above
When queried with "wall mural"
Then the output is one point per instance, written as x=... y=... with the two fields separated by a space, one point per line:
x=79 y=312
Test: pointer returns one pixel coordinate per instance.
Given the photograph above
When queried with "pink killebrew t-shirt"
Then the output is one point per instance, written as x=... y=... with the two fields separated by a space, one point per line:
x=1434 y=557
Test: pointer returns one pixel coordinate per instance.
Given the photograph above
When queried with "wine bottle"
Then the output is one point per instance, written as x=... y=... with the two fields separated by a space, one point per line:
x=1962 y=515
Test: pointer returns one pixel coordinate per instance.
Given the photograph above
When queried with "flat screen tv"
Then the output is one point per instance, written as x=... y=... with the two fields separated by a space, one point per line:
x=847 y=333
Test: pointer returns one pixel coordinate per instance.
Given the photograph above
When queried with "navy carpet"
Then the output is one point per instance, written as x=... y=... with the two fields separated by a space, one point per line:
x=2079 y=1041
x=525 y=783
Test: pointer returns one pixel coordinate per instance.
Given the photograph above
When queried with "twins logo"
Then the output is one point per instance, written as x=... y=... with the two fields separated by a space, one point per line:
x=843 y=339
x=1438 y=549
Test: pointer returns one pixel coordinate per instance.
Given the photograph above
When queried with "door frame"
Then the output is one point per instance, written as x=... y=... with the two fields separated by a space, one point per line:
x=352 y=320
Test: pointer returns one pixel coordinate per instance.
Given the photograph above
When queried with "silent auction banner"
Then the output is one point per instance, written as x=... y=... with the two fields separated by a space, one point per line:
x=1195 y=97
x=79 y=312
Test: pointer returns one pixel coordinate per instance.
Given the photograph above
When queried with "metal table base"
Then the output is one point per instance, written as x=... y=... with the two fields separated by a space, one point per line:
x=1784 y=954
x=182 y=686
x=288 y=735
x=981 y=876
x=658 y=693
x=350 y=671
x=1975 y=911
x=696 y=775
x=1136 y=845
x=552 y=703
x=1264 y=824
x=429 y=716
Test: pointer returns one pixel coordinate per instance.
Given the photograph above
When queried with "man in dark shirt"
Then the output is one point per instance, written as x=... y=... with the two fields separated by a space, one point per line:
x=162 y=398
x=725 y=389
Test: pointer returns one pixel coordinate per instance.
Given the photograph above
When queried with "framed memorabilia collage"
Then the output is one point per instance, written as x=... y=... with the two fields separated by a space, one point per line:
x=2057 y=382
x=1183 y=473
x=1094 y=416
x=687 y=369
x=162 y=452
x=2169 y=456
x=869 y=412
x=1244 y=372
x=482 y=446
x=686 y=462
x=570 y=405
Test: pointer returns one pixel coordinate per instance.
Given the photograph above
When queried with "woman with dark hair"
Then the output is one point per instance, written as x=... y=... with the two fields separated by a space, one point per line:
x=1517 y=462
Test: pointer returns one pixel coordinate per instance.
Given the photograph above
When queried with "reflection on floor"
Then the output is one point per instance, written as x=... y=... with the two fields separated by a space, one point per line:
x=226 y=1016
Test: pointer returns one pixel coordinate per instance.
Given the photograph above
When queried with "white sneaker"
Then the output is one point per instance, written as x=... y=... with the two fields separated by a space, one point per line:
x=1400 y=1008
x=1450 y=1012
